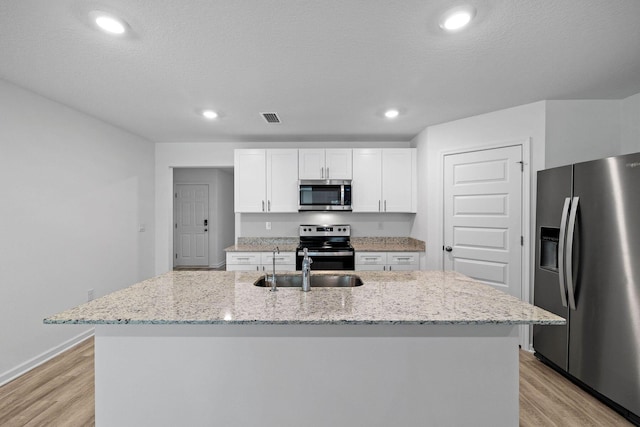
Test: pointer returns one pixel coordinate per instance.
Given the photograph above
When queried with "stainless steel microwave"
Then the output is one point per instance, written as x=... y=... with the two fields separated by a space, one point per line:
x=324 y=195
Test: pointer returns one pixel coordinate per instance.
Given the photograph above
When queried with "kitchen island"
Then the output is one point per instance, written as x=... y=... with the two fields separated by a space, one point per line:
x=210 y=348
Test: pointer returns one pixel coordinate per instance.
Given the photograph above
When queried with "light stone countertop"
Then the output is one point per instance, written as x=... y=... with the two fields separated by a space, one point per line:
x=219 y=297
x=360 y=244
x=387 y=244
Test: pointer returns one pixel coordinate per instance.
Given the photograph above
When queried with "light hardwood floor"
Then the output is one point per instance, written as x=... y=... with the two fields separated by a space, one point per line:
x=60 y=393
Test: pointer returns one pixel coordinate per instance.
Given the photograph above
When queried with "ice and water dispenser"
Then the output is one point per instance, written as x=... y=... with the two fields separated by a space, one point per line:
x=549 y=237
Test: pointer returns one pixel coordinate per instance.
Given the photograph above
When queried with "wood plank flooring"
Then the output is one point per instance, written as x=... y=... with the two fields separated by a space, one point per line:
x=61 y=393
x=549 y=399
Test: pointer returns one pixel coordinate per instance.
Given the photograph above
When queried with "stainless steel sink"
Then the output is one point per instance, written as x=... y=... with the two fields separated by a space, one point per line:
x=317 y=281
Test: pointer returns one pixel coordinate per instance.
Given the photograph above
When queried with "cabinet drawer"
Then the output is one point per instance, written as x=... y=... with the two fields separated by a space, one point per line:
x=403 y=258
x=243 y=258
x=244 y=267
x=371 y=258
x=281 y=258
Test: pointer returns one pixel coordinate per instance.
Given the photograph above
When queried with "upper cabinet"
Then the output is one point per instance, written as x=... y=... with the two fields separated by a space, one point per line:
x=335 y=163
x=266 y=180
x=384 y=180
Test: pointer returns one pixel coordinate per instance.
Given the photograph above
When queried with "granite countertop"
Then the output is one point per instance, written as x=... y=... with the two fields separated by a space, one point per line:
x=264 y=244
x=387 y=244
x=219 y=297
x=360 y=244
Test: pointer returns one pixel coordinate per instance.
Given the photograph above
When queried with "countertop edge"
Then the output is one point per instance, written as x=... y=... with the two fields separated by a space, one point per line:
x=48 y=321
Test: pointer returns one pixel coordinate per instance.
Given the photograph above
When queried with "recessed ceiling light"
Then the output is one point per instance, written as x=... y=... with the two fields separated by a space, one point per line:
x=457 y=18
x=209 y=114
x=391 y=114
x=108 y=23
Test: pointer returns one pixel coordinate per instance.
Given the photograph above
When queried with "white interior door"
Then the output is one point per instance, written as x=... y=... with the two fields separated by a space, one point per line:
x=483 y=216
x=191 y=224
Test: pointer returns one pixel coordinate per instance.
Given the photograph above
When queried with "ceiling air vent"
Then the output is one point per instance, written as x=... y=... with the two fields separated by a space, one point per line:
x=271 y=117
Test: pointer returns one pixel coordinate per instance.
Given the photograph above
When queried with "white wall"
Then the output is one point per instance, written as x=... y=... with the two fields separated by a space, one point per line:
x=582 y=130
x=362 y=224
x=526 y=122
x=221 y=216
x=225 y=221
x=630 y=125
x=75 y=190
x=205 y=155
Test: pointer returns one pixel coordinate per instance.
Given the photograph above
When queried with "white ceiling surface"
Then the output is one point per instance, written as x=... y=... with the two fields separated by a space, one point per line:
x=328 y=67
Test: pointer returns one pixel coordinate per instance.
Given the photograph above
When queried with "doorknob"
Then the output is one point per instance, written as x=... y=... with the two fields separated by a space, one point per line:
x=205 y=229
x=448 y=249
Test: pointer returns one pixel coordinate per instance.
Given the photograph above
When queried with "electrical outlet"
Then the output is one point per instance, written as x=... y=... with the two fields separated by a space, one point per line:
x=90 y=295
x=267 y=225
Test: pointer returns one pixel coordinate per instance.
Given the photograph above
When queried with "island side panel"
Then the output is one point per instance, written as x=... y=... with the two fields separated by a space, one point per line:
x=314 y=375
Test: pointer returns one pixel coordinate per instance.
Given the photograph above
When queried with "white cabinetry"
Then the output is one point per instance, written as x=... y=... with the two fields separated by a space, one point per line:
x=319 y=163
x=266 y=180
x=387 y=261
x=244 y=261
x=260 y=261
x=384 y=180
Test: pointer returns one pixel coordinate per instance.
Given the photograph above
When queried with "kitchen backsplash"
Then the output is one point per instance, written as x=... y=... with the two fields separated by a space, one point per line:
x=362 y=224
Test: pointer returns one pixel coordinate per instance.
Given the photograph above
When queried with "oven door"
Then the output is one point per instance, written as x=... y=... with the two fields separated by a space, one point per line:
x=338 y=260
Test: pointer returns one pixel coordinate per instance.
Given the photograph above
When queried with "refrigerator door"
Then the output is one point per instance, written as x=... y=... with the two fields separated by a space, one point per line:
x=554 y=189
x=604 y=343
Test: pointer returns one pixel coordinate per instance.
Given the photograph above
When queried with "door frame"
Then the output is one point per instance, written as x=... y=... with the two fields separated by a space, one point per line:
x=525 y=215
x=173 y=221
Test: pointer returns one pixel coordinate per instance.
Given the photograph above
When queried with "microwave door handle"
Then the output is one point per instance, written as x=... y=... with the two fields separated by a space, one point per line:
x=561 y=252
x=569 y=257
x=341 y=191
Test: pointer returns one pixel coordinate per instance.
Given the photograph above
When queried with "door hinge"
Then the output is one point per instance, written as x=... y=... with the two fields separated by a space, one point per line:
x=521 y=240
x=176 y=195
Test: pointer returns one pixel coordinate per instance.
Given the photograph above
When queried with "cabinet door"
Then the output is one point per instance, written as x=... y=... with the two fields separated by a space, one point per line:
x=366 y=187
x=338 y=163
x=399 y=179
x=282 y=180
x=311 y=163
x=249 y=180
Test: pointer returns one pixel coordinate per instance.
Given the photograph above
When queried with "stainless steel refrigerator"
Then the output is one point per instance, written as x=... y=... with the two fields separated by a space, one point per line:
x=588 y=271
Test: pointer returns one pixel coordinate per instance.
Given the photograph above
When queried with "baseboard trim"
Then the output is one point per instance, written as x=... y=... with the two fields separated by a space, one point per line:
x=25 y=367
x=218 y=265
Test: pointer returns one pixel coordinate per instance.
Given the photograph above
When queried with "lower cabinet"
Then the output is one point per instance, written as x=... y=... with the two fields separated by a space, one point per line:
x=260 y=261
x=387 y=261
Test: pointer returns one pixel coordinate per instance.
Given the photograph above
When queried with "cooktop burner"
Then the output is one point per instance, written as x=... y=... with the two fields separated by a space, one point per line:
x=325 y=237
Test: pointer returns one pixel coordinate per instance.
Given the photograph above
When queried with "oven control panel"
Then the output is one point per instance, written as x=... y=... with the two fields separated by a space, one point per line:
x=325 y=230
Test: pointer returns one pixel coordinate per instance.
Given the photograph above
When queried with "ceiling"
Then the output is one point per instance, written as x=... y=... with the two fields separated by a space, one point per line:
x=329 y=68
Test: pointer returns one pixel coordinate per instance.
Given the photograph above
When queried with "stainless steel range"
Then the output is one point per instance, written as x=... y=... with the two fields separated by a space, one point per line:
x=329 y=246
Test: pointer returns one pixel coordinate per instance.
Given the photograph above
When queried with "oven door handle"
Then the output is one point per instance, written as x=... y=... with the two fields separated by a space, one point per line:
x=321 y=254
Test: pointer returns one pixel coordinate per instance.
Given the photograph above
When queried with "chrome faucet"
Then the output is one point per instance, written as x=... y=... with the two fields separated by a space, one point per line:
x=274 y=287
x=306 y=271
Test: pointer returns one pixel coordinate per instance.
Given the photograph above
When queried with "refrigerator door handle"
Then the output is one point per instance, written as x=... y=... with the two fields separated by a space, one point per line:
x=569 y=254
x=561 y=253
